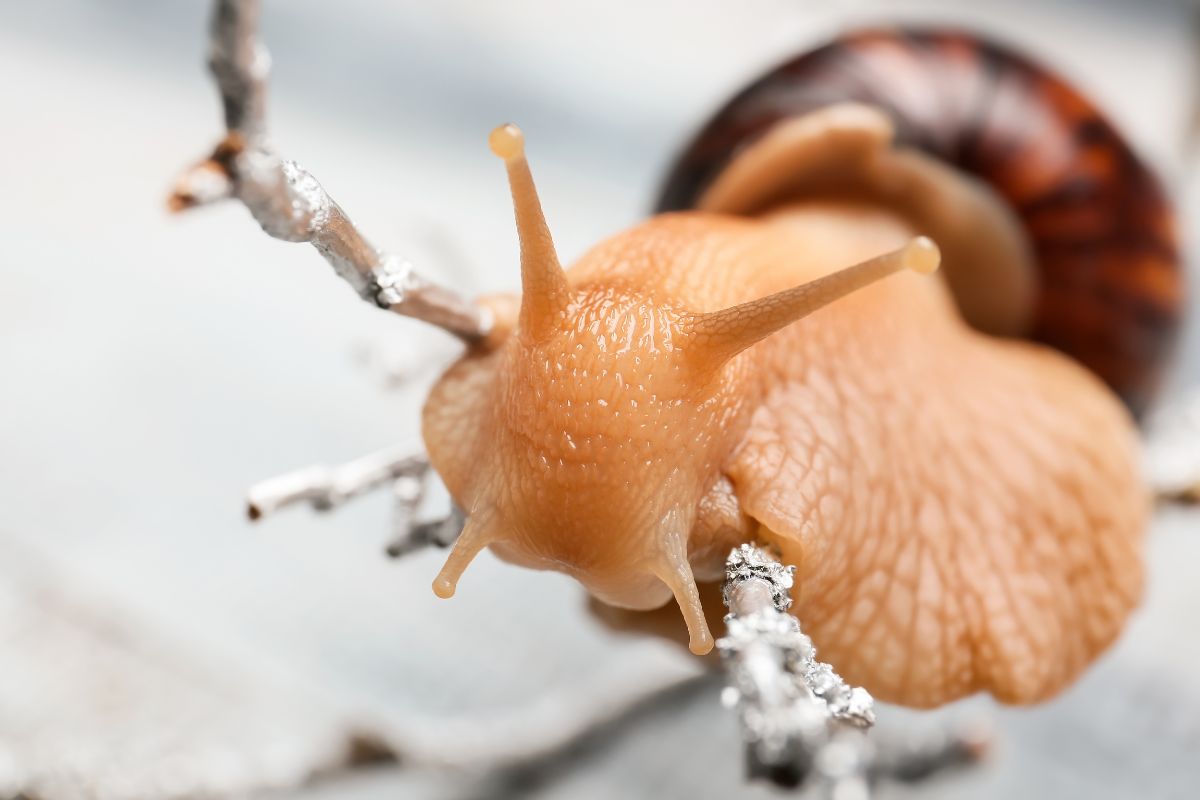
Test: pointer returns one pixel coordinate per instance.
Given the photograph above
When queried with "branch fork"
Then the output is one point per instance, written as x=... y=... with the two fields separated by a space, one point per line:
x=287 y=201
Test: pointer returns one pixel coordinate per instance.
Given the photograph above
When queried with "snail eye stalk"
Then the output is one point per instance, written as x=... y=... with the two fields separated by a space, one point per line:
x=720 y=335
x=545 y=295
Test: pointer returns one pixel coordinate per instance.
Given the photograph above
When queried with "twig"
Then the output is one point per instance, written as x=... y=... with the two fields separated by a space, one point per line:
x=286 y=200
x=788 y=703
x=921 y=756
x=325 y=488
x=410 y=536
x=1172 y=451
x=543 y=730
x=800 y=722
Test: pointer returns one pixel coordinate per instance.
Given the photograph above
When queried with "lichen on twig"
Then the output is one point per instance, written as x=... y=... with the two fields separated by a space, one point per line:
x=801 y=724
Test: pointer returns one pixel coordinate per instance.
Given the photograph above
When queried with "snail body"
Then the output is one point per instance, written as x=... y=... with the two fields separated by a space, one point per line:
x=965 y=510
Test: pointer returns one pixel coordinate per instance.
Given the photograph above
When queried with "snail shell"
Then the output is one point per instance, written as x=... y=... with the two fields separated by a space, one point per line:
x=1109 y=282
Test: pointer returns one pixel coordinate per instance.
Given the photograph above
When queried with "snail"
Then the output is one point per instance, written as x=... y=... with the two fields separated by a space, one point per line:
x=950 y=461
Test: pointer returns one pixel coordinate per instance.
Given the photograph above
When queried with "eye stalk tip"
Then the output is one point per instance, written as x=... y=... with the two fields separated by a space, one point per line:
x=507 y=141
x=444 y=588
x=922 y=255
x=702 y=643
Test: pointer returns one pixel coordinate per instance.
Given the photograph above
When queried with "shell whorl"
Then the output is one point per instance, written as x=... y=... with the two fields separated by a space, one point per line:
x=1101 y=227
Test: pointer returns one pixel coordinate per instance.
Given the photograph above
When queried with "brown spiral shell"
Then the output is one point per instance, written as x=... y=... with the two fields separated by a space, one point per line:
x=1102 y=229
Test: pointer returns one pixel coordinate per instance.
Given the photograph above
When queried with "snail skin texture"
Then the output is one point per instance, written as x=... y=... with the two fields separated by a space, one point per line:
x=965 y=511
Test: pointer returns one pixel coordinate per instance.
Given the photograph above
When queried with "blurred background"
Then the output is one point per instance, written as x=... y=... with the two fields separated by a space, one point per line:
x=153 y=644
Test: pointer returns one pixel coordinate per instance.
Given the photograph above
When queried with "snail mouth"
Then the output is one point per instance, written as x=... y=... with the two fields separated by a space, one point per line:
x=644 y=583
x=605 y=576
x=634 y=591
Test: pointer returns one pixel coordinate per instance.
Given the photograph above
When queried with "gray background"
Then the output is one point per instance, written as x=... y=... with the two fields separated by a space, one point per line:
x=153 y=367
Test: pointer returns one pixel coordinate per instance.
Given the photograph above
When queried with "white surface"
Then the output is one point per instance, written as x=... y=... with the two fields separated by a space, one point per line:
x=151 y=368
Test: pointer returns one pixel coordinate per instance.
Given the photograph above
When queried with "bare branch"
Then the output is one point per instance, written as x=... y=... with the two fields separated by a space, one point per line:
x=800 y=722
x=326 y=488
x=545 y=729
x=789 y=704
x=286 y=200
x=920 y=756
x=202 y=184
x=1172 y=450
x=240 y=65
x=411 y=536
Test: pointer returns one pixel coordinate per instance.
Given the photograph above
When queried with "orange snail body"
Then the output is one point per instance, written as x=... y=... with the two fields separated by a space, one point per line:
x=966 y=511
